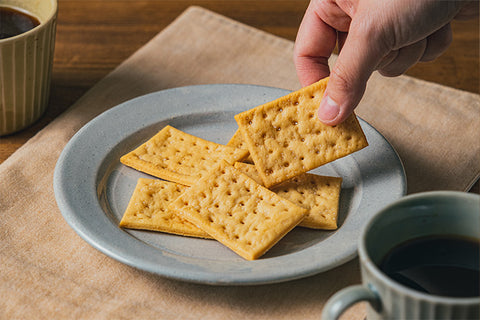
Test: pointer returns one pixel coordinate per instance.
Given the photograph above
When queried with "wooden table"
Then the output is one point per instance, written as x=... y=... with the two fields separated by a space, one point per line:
x=94 y=36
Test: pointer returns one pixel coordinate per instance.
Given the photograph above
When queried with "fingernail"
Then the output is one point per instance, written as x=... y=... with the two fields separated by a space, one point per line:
x=328 y=109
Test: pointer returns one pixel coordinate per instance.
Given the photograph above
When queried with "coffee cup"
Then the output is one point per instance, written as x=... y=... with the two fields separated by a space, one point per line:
x=26 y=60
x=407 y=271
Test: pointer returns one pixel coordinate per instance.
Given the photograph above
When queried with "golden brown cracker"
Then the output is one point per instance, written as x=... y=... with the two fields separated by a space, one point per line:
x=285 y=138
x=147 y=209
x=319 y=194
x=238 y=212
x=237 y=141
x=179 y=157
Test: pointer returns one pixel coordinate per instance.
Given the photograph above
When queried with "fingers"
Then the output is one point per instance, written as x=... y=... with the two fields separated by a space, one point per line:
x=437 y=43
x=405 y=58
x=313 y=46
x=323 y=23
x=355 y=63
x=397 y=62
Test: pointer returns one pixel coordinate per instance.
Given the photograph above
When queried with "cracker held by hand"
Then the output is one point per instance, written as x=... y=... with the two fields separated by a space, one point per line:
x=319 y=194
x=179 y=157
x=238 y=212
x=285 y=138
x=147 y=209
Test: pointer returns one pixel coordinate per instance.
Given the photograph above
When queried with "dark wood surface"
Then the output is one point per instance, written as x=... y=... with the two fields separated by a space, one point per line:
x=94 y=36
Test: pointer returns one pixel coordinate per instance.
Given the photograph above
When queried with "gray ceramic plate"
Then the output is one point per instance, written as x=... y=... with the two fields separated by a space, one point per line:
x=92 y=190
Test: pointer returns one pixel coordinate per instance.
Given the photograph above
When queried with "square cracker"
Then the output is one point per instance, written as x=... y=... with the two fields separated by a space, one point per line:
x=319 y=194
x=285 y=138
x=147 y=209
x=179 y=157
x=237 y=141
x=238 y=212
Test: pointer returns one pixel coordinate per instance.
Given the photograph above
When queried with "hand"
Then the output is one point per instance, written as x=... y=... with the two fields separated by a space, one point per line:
x=385 y=35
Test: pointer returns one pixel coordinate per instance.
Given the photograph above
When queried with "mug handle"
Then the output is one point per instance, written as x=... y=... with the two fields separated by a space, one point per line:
x=347 y=297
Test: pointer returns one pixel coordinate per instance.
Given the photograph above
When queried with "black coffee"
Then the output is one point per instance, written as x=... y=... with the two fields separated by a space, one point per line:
x=439 y=265
x=14 y=22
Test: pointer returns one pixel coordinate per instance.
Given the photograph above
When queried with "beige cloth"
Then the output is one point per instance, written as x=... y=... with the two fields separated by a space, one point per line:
x=48 y=272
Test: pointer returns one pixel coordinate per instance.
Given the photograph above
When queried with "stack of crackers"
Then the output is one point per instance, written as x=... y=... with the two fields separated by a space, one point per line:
x=249 y=193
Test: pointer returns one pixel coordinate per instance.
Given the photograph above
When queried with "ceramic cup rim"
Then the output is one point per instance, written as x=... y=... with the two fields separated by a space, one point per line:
x=368 y=263
x=41 y=26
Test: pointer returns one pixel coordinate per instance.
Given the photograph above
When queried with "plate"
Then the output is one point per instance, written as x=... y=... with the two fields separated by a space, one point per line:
x=92 y=190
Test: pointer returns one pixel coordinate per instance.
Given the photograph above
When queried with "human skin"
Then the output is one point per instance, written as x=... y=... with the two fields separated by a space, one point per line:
x=385 y=35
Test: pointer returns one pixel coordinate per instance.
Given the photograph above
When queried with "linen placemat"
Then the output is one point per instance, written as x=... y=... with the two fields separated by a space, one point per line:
x=48 y=272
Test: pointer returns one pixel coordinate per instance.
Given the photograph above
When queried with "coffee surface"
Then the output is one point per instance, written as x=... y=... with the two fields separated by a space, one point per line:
x=14 y=22
x=439 y=265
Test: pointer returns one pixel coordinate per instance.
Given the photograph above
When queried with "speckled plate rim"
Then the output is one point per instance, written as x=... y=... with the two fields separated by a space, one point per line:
x=88 y=176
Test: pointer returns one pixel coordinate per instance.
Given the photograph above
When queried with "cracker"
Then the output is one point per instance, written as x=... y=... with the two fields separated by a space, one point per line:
x=147 y=209
x=238 y=212
x=237 y=141
x=319 y=194
x=179 y=157
x=285 y=138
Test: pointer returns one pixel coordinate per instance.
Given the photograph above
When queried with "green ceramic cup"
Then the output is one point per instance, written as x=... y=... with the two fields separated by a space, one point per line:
x=418 y=215
x=25 y=66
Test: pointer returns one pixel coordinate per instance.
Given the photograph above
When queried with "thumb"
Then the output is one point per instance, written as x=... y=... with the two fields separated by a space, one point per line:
x=356 y=62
